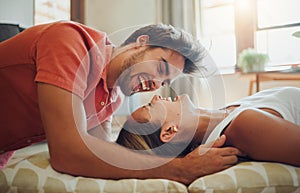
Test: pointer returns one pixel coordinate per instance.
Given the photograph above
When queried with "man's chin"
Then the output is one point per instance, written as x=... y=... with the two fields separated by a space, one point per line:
x=128 y=92
x=133 y=92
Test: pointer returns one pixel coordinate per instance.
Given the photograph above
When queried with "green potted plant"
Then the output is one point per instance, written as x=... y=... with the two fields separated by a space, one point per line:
x=250 y=60
x=296 y=34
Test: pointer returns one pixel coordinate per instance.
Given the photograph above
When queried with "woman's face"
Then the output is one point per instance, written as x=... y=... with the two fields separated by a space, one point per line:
x=179 y=112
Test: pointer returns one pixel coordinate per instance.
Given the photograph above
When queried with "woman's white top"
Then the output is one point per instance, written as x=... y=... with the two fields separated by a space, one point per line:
x=284 y=100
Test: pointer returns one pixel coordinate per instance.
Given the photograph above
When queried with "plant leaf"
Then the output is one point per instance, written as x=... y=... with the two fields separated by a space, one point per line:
x=296 y=34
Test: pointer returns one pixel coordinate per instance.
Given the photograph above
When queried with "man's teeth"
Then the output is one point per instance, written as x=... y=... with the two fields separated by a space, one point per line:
x=143 y=83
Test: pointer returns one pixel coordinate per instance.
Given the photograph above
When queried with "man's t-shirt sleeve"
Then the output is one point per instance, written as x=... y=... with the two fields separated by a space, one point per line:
x=62 y=58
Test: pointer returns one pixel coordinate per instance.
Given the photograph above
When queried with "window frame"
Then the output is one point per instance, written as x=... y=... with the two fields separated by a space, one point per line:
x=246 y=26
x=78 y=11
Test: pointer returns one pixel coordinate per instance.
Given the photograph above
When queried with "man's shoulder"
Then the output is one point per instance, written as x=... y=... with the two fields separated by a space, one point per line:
x=68 y=26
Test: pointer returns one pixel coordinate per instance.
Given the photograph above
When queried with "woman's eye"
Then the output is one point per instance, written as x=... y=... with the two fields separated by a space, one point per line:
x=150 y=105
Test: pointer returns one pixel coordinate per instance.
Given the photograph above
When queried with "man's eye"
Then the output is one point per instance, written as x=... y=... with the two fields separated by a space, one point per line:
x=160 y=68
x=150 y=105
x=166 y=83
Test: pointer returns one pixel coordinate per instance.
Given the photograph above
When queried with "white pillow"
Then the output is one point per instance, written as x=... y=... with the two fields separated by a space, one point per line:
x=250 y=177
x=33 y=173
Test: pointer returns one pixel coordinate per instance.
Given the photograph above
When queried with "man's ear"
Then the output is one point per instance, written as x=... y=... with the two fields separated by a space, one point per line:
x=142 y=40
x=168 y=132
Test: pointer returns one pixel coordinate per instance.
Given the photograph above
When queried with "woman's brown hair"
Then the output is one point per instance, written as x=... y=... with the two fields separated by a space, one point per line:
x=145 y=138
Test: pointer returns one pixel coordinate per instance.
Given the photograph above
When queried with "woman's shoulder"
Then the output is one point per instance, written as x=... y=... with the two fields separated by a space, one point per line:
x=248 y=115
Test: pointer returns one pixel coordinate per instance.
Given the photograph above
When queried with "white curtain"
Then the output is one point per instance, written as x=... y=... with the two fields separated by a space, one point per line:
x=181 y=14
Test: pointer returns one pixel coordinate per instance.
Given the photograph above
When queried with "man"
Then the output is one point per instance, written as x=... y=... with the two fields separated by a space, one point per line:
x=61 y=82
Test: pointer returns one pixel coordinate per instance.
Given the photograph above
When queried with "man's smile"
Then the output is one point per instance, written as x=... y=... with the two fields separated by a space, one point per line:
x=143 y=85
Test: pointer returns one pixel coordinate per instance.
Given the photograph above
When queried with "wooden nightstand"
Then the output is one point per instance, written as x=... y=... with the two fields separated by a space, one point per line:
x=291 y=74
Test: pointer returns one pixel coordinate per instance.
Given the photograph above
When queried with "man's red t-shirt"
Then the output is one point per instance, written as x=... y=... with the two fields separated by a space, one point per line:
x=65 y=54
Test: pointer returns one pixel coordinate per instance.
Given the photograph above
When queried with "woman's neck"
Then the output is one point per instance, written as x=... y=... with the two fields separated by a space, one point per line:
x=207 y=121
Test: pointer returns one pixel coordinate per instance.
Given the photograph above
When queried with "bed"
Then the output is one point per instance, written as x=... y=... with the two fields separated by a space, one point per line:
x=29 y=171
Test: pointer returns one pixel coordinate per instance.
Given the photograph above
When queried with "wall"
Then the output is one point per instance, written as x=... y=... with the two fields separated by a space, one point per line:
x=17 y=12
x=113 y=15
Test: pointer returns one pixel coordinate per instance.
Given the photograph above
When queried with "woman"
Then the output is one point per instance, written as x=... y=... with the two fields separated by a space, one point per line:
x=264 y=126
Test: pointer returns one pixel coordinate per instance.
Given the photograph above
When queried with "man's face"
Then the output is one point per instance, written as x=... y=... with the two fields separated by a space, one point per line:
x=148 y=70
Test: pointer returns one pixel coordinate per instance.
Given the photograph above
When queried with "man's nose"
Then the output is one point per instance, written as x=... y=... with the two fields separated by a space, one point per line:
x=156 y=84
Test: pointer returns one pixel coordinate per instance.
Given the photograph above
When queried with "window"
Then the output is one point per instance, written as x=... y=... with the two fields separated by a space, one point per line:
x=51 y=10
x=276 y=22
x=217 y=31
x=271 y=13
x=229 y=26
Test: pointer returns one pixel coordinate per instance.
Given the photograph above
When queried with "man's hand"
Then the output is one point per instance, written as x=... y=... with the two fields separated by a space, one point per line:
x=208 y=159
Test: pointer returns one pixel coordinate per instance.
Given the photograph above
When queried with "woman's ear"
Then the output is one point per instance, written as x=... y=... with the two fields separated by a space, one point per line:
x=142 y=40
x=168 y=132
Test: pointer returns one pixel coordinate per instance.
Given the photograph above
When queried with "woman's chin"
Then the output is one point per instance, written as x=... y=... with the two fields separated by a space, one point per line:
x=186 y=101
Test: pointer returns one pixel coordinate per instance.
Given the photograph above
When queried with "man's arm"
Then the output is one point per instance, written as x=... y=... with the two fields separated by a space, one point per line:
x=74 y=151
x=103 y=131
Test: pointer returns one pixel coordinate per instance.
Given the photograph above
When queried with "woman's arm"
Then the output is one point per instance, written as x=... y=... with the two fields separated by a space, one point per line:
x=74 y=151
x=266 y=137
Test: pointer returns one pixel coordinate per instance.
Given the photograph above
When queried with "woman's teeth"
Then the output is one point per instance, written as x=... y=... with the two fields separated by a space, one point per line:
x=175 y=99
x=169 y=99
